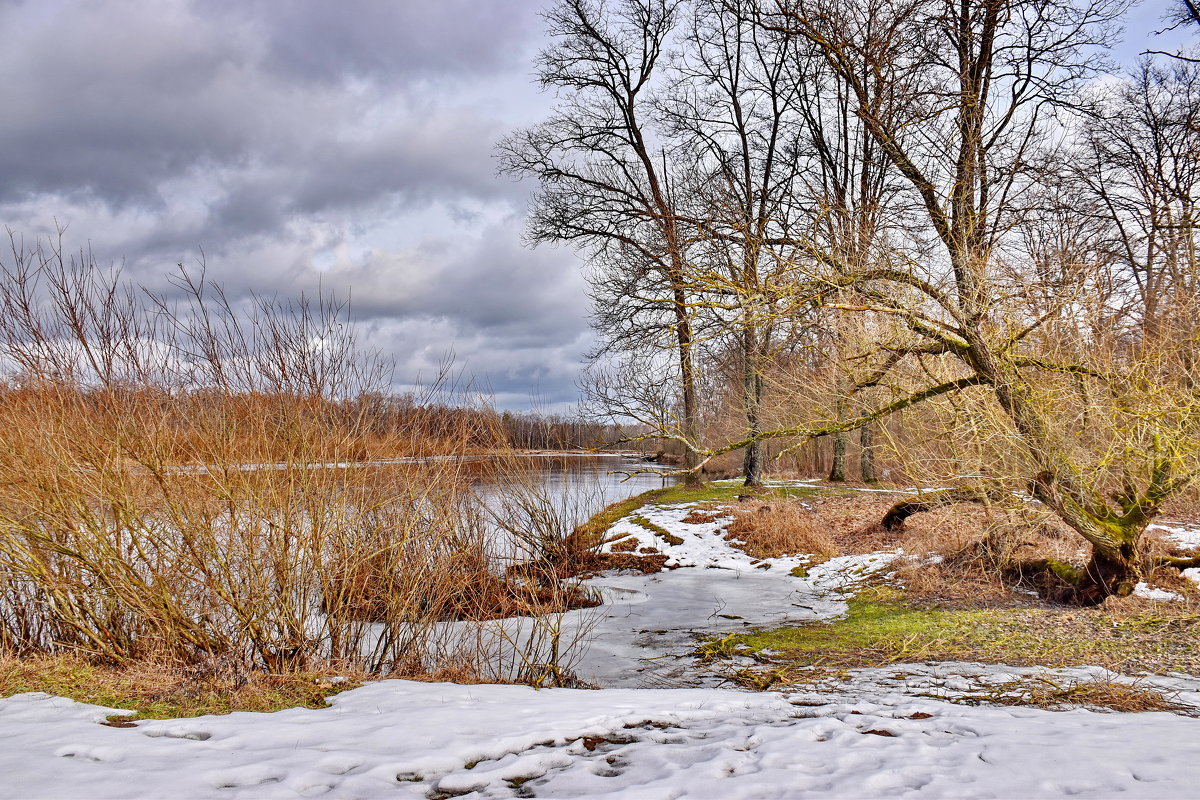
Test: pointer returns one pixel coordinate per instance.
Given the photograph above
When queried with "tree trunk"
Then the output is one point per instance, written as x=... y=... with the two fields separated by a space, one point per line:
x=866 y=454
x=837 y=471
x=1104 y=576
x=752 y=388
x=1107 y=575
x=687 y=379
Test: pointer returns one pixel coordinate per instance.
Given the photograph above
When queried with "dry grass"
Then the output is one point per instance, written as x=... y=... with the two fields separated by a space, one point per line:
x=592 y=563
x=1124 y=697
x=1184 y=506
x=702 y=515
x=770 y=530
x=174 y=487
x=161 y=691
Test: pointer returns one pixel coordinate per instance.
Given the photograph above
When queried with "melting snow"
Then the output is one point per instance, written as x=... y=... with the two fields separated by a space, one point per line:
x=1145 y=590
x=406 y=739
x=865 y=735
x=643 y=634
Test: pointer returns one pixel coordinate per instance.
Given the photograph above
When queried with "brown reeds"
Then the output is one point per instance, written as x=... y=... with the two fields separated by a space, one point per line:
x=182 y=481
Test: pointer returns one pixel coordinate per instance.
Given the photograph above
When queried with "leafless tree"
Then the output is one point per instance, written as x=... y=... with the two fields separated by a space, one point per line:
x=607 y=180
x=978 y=81
x=732 y=105
x=1141 y=165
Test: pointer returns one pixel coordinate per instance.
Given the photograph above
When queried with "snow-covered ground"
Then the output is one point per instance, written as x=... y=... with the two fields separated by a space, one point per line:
x=405 y=739
x=882 y=732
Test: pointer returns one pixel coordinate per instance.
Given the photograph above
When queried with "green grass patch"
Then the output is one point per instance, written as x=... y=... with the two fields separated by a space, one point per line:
x=591 y=533
x=157 y=693
x=881 y=628
x=729 y=491
x=657 y=530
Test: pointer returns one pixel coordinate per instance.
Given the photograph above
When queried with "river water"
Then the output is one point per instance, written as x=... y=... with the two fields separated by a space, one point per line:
x=576 y=486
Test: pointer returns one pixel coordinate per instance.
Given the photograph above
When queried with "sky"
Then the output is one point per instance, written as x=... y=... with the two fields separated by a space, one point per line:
x=293 y=146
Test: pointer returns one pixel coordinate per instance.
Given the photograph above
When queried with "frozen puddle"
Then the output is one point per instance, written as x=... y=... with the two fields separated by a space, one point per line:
x=420 y=740
x=642 y=635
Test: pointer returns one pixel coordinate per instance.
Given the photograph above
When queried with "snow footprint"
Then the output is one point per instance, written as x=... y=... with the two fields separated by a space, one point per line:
x=176 y=732
x=338 y=765
x=97 y=755
x=239 y=777
x=310 y=784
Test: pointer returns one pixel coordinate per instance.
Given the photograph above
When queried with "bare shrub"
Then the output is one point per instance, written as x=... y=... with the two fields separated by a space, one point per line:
x=181 y=481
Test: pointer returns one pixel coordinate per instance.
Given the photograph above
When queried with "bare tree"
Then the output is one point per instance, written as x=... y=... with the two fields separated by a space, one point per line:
x=978 y=81
x=607 y=182
x=1141 y=164
x=732 y=105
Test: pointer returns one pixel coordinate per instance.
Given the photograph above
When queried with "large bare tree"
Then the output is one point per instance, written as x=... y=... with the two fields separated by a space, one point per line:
x=607 y=180
x=1141 y=164
x=733 y=106
x=977 y=81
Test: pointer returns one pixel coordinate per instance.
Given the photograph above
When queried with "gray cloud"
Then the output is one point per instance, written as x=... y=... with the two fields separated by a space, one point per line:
x=329 y=41
x=296 y=145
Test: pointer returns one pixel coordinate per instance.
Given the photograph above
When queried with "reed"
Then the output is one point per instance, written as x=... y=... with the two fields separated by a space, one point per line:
x=181 y=481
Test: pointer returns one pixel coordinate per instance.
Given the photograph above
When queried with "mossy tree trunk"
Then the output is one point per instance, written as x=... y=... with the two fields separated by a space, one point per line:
x=866 y=454
x=837 y=470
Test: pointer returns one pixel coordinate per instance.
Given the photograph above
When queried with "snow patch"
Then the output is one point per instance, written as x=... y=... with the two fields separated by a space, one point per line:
x=1148 y=592
x=406 y=739
x=1185 y=537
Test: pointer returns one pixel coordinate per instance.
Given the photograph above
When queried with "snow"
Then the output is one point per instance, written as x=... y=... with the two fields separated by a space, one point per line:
x=406 y=739
x=1185 y=537
x=974 y=682
x=889 y=731
x=1146 y=591
x=643 y=635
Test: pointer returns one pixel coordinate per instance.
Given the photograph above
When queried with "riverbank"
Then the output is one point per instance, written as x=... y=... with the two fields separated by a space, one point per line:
x=724 y=609
x=883 y=683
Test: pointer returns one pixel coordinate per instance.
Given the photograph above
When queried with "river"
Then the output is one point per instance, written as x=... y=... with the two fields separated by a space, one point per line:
x=577 y=486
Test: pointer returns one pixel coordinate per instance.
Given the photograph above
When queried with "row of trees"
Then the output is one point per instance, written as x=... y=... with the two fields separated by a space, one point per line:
x=852 y=210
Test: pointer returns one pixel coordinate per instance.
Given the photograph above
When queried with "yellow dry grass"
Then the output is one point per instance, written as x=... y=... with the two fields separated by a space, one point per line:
x=786 y=527
x=198 y=501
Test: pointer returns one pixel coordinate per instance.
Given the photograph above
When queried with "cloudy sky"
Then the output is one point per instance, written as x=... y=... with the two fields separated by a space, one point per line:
x=306 y=143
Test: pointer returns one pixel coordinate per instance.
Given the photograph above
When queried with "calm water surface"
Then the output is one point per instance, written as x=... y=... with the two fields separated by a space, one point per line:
x=578 y=486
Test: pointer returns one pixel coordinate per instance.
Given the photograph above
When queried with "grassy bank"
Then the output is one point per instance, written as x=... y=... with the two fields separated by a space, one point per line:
x=160 y=692
x=592 y=532
x=882 y=628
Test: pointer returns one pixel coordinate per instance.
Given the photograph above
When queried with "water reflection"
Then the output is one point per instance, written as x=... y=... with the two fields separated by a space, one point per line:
x=576 y=486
